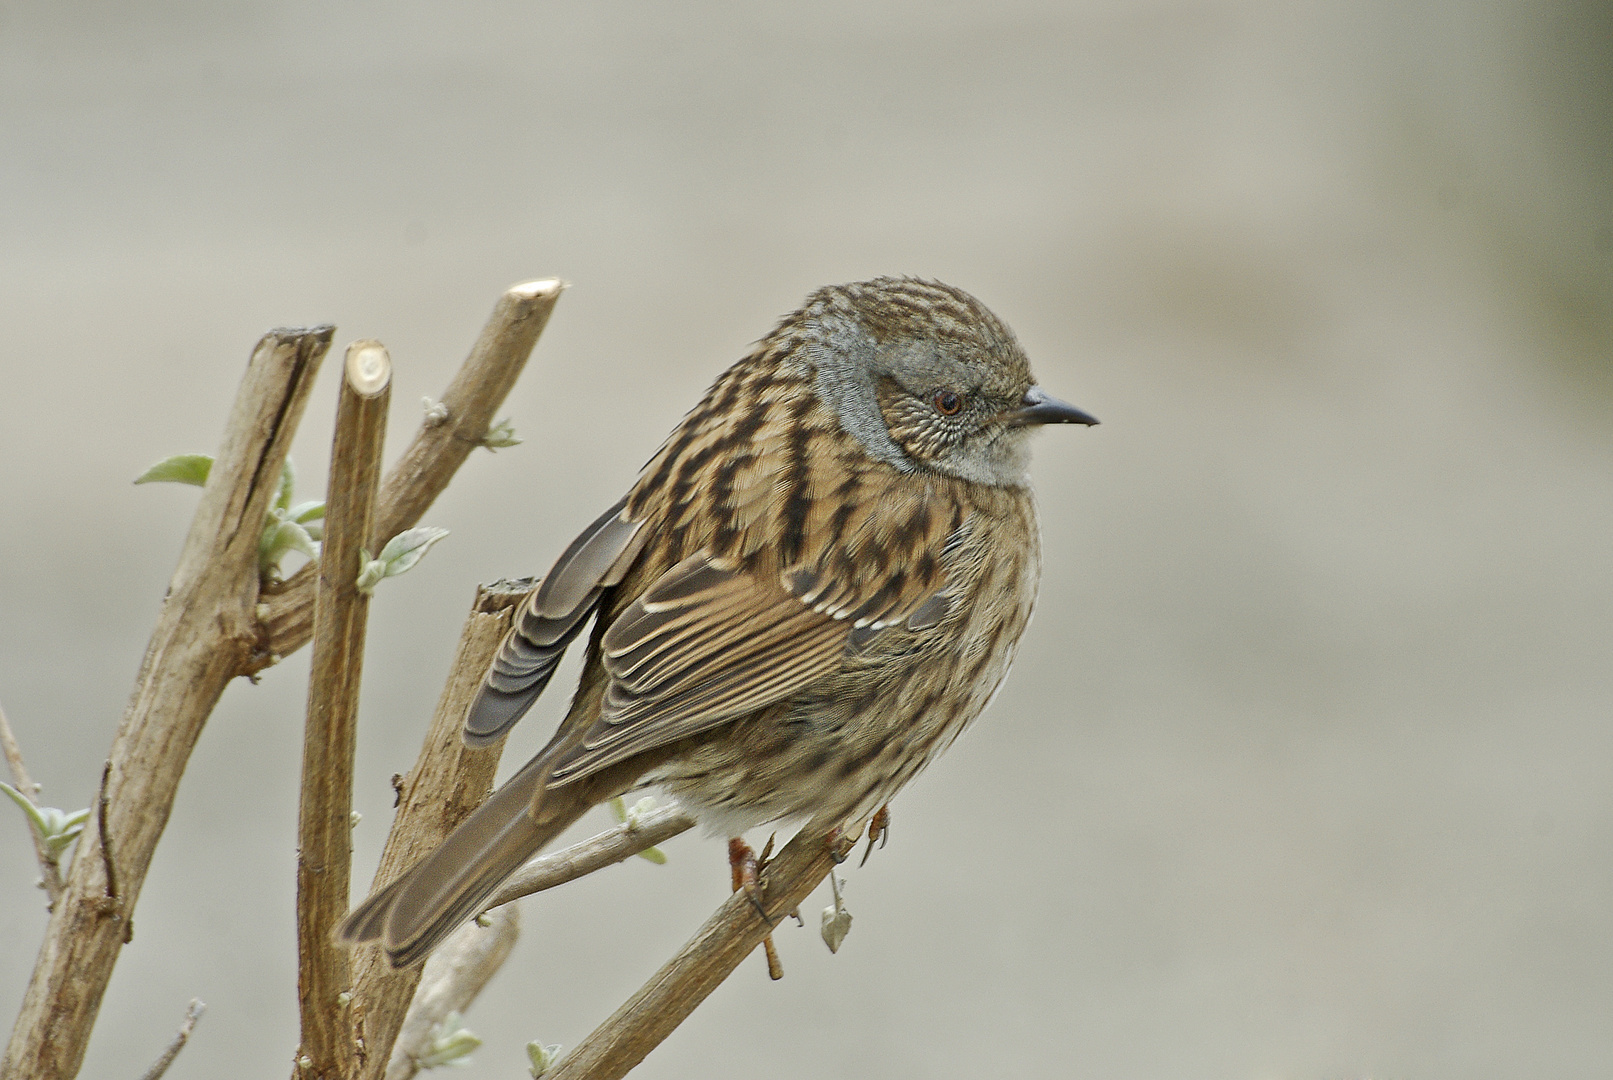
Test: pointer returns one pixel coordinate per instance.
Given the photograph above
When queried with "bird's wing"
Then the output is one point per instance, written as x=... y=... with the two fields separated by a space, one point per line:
x=709 y=641
x=548 y=622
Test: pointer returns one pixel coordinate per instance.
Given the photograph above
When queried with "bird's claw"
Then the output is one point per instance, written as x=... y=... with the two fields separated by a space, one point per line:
x=879 y=828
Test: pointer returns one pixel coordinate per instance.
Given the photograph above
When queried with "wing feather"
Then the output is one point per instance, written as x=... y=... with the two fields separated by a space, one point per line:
x=549 y=622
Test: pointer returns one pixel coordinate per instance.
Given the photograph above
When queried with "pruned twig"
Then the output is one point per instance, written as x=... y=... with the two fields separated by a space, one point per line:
x=50 y=874
x=193 y=1013
x=324 y=825
x=448 y=781
x=204 y=636
x=445 y=439
x=594 y=853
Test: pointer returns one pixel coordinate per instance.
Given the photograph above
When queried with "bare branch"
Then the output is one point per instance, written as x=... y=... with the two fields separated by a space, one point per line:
x=730 y=935
x=452 y=979
x=50 y=875
x=448 y=781
x=438 y=450
x=324 y=825
x=192 y=1014
x=204 y=636
x=594 y=853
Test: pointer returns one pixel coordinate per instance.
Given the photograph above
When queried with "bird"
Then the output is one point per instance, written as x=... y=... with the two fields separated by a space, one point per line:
x=813 y=587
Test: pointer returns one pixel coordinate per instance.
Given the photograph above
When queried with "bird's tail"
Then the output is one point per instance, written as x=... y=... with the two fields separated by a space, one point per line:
x=413 y=914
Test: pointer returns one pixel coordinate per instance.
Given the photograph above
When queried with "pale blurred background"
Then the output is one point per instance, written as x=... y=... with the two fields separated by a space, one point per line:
x=1304 y=769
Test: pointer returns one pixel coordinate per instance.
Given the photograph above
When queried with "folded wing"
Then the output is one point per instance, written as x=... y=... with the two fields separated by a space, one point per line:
x=549 y=621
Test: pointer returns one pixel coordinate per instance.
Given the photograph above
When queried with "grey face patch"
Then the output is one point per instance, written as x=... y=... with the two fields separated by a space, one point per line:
x=845 y=376
x=850 y=362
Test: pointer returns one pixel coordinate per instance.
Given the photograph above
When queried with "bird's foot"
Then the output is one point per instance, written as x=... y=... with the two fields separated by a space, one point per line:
x=744 y=868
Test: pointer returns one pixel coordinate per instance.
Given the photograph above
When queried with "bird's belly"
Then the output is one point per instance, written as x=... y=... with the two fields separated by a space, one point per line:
x=845 y=746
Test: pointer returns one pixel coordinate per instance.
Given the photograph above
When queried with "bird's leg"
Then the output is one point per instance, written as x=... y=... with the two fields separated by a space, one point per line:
x=743 y=867
x=879 y=828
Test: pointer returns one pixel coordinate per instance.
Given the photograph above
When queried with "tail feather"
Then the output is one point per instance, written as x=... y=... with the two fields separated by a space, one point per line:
x=413 y=914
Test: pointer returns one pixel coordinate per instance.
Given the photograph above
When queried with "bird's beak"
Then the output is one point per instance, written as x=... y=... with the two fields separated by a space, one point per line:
x=1040 y=407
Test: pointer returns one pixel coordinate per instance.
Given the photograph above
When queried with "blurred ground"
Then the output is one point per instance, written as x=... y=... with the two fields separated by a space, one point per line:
x=1304 y=768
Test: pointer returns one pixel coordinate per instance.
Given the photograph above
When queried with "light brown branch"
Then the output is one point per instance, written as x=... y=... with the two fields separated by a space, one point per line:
x=50 y=875
x=730 y=935
x=438 y=450
x=448 y=781
x=204 y=635
x=192 y=1014
x=594 y=853
x=341 y=612
x=452 y=979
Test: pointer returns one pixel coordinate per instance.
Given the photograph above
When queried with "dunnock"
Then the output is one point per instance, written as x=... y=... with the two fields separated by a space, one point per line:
x=814 y=585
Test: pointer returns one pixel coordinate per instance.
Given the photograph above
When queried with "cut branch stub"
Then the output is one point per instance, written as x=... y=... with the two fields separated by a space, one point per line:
x=448 y=781
x=341 y=612
x=440 y=447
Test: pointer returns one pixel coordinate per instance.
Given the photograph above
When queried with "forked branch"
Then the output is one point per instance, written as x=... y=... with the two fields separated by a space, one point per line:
x=204 y=634
x=445 y=439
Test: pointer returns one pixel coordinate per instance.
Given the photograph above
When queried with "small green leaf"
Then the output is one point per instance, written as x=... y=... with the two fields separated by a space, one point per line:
x=281 y=537
x=304 y=512
x=370 y=572
x=451 y=1044
x=408 y=547
x=179 y=469
x=63 y=827
x=288 y=484
x=501 y=435
x=541 y=1058
x=398 y=557
x=35 y=819
x=631 y=818
x=55 y=828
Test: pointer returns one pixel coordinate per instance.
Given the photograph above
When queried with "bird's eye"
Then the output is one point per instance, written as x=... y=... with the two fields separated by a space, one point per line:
x=948 y=403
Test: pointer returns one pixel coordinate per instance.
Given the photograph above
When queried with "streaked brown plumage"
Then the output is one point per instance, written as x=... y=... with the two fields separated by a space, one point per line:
x=814 y=585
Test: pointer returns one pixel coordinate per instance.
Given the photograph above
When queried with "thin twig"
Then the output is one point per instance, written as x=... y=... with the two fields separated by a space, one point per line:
x=324 y=825
x=192 y=1014
x=204 y=635
x=448 y=781
x=730 y=935
x=452 y=979
x=50 y=874
x=594 y=853
x=103 y=802
x=439 y=449
x=13 y=752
